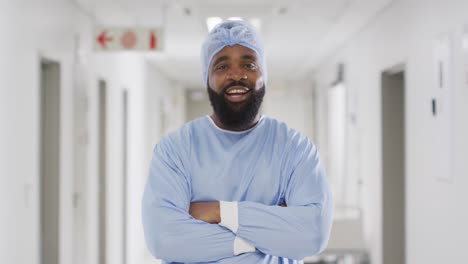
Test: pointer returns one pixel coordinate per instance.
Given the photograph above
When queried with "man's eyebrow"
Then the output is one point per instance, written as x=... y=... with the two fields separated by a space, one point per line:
x=249 y=57
x=220 y=59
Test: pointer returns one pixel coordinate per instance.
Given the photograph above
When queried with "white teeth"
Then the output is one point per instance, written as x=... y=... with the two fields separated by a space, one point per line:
x=237 y=91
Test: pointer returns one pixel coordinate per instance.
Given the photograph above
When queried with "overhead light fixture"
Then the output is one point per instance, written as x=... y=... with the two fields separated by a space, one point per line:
x=211 y=22
x=235 y=18
x=256 y=22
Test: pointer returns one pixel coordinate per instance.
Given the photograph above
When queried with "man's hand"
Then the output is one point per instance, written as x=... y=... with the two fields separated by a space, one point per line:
x=206 y=211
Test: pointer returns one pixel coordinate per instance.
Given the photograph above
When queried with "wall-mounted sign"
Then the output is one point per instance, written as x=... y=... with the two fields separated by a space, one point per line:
x=113 y=39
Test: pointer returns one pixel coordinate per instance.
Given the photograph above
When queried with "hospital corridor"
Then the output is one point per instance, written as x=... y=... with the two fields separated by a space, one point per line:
x=89 y=88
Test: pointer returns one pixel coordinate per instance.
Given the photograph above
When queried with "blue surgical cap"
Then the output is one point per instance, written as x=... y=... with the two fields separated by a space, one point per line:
x=230 y=33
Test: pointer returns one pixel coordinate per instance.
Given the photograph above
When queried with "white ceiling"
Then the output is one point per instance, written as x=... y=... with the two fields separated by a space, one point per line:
x=297 y=34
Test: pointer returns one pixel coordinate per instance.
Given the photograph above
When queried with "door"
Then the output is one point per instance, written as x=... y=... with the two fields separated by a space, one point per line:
x=49 y=162
x=393 y=167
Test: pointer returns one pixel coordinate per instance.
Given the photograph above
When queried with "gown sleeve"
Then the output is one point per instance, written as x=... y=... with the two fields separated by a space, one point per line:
x=303 y=227
x=171 y=233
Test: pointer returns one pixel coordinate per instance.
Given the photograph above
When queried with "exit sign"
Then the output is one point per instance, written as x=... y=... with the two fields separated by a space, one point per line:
x=114 y=39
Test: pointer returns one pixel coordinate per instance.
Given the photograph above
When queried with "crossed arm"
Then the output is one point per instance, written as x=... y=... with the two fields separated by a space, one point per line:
x=208 y=211
x=172 y=223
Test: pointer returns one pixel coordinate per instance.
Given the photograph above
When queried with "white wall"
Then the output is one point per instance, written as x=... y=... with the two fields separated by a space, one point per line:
x=163 y=97
x=291 y=102
x=31 y=31
x=405 y=33
x=7 y=191
x=60 y=31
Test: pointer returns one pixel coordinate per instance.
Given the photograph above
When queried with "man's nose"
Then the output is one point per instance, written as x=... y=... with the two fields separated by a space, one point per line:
x=237 y=74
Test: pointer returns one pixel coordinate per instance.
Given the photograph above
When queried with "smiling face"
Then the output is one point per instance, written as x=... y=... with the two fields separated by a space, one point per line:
x=236 y=87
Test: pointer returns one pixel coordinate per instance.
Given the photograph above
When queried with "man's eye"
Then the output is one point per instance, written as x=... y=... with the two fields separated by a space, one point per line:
x=251 y=66
x=221 y=67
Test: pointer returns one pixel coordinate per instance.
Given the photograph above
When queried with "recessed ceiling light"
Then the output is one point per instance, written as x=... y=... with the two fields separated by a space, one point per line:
x=256 y=22
x=211 y=22
x=235 y=18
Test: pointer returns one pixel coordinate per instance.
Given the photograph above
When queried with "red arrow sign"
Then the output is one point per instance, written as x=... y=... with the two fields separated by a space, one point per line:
x=153 y=41
x=102 y=39
x=144 y=39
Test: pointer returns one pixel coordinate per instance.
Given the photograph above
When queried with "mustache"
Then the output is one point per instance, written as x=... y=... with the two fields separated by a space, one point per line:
x=235 y=83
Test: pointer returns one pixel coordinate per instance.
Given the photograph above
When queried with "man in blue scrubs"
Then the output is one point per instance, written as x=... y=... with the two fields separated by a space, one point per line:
x=235 y=186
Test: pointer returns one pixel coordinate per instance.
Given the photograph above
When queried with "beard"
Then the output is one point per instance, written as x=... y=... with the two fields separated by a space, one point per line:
x=236 y=116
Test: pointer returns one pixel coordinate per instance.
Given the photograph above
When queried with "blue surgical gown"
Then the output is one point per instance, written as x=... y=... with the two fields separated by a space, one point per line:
x=260 y=168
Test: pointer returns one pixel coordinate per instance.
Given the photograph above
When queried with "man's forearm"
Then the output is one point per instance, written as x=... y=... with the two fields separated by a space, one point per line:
x=172 y=235
x=269 y=224
x=292 y=232
x=221 y=213
x=209 y=212
x=206 y=211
